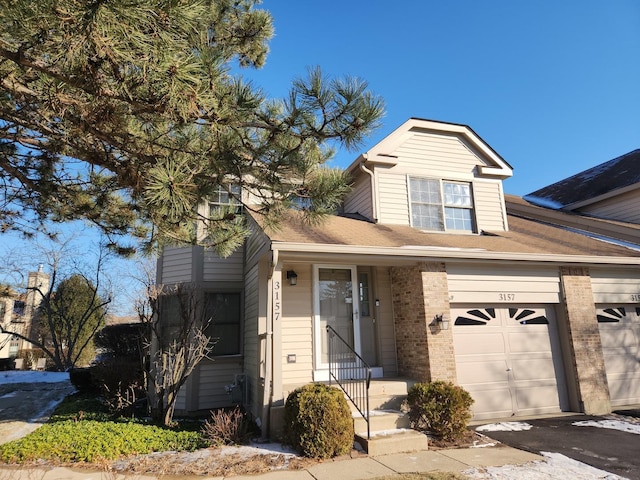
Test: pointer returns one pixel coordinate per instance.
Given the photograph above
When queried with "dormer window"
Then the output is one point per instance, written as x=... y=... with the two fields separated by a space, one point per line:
x=441 y=205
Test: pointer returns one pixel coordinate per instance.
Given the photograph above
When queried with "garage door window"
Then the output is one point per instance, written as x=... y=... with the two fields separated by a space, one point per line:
x=524 y=316
x=613 y=315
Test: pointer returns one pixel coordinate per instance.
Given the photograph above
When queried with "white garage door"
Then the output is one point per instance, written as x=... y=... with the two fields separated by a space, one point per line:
x=508 y=359
x=620 y=336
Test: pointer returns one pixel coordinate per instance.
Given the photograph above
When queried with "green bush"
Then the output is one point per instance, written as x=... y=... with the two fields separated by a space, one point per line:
x=318 y=422
x=441 y=408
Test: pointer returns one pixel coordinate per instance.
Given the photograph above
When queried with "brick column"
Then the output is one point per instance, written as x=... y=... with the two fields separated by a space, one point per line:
x=419 y=294
x=584 y=339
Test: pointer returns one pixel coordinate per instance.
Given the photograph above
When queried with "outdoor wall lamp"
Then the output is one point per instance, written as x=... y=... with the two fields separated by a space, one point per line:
x=292 y=277
x=442 y=322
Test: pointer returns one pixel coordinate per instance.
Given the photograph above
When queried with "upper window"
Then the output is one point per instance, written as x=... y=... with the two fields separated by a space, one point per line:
x=226 y=196
x=18 y=307
x=441 y=205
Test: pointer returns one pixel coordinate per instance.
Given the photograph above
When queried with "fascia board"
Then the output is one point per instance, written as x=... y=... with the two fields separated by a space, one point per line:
x=418 y=253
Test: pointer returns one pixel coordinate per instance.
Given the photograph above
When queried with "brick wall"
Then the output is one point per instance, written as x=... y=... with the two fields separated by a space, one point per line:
x=584 y=341
x=419 y=294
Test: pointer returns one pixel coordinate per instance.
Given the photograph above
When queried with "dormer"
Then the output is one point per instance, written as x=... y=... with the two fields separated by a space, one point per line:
x=434 y=176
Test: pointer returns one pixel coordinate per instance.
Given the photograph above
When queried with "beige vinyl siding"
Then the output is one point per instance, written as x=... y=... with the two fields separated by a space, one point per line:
x=394 y=204
x=386 y=326
x=444 y=157
x=438 y=155
x=359 y=200
x=213 y=376
x=255 y=245
x=624 y=207
x=613 y=286
x=489 y=206
x=489 y=284
x=297 y=332
x=223 y=269
x=251 y=312
x=176 y=265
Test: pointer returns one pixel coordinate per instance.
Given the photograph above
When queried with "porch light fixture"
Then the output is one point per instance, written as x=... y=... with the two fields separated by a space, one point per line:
x=292 y=277
x=442 y=322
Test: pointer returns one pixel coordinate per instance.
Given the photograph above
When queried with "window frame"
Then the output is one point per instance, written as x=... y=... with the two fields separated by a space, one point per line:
x=233 y=194
x=443 y=206
x=240 y=323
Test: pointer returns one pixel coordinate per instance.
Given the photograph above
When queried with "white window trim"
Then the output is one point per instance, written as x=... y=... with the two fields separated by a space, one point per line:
x=441 y=181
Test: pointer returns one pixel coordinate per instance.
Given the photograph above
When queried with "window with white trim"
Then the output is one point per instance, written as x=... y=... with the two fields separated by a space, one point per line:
x=226 y=197
x=441 y=205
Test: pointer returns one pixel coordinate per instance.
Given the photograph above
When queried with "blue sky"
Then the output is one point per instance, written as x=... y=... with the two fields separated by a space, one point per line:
x=552 y=86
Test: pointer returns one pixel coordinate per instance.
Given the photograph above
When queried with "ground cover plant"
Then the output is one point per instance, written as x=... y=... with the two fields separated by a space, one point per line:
x=82 y=430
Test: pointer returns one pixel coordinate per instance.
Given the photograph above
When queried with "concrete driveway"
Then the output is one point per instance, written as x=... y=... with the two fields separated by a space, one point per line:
x=612 y=450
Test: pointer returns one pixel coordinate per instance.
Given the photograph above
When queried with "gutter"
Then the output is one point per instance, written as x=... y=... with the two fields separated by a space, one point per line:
x=374 y=191
x=267 y=391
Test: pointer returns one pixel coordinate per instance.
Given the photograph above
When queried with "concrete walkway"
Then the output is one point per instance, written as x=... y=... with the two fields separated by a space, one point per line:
x=455 y=460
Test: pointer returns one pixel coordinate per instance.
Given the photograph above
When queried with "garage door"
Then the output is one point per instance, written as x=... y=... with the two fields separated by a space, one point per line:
x=508 y=359
x=620 y=337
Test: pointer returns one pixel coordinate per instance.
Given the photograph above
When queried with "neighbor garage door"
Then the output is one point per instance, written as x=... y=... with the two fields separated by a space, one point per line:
x=508 y=359
x=620 y=335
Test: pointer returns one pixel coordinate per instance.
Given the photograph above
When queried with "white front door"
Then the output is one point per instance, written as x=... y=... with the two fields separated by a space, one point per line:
x=336 y=305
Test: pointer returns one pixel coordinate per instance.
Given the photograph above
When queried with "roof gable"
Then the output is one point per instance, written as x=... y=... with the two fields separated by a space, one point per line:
x=617 y=175
x=490 y=163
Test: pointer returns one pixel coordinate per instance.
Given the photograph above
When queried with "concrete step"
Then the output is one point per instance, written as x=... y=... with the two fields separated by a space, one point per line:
x=381 y=402
x=393 y=441
x=390 y=386
x=380 y=420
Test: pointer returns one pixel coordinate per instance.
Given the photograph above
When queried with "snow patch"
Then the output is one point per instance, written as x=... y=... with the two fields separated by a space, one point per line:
x=611 y=424
x=30 y=376
x=543 y=202
x=555 y=465
x=504 y=427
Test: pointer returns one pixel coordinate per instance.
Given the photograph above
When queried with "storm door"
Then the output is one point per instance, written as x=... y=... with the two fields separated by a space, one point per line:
x=336 y=305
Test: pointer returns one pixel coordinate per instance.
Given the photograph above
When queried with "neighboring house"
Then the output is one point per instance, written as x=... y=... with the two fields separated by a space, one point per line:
x=17 y=312
x=425 y=242
x=610 y=191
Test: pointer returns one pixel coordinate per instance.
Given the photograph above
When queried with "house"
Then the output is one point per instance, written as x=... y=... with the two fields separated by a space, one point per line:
x=428 y=276
x=17 y=312
x=608 y=191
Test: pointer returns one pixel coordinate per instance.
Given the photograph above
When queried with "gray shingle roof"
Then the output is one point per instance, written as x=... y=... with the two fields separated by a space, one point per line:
x=604 y=178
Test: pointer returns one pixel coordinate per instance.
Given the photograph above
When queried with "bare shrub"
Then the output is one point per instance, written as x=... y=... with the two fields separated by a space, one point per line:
x=226 y=427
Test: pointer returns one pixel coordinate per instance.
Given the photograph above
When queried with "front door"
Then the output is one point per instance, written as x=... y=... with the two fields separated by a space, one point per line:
x=336 y=305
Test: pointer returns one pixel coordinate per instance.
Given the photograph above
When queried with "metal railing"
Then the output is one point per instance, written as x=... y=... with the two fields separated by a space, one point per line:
x=350 y=372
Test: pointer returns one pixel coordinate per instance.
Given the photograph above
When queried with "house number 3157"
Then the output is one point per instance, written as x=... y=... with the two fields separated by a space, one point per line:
x=276 y=300
x=506 y=297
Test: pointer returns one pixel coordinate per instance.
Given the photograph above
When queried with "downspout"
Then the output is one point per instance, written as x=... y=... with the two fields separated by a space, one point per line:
x=268 y=360
x=374 y=195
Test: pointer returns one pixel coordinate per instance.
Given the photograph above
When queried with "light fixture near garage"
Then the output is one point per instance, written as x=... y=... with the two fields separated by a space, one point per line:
x=292 y=277
x=442 y=322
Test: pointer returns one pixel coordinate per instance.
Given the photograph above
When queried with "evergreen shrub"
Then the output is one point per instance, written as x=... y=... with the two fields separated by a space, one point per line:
x=440 y=408
x=318 y=421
